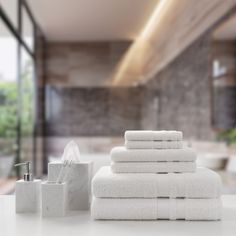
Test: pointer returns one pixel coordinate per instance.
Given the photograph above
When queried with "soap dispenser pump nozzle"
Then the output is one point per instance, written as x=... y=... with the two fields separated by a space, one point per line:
x=27 y=176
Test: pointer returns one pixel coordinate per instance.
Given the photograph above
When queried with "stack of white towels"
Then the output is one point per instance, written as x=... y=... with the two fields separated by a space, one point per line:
x=154 y=177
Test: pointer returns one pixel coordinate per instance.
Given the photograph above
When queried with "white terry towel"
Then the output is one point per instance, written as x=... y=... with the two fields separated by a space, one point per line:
x=149 y=135
x=122 y=154
x=153 y=144
x=153 y=167
x=152 y=209
x=203 y=183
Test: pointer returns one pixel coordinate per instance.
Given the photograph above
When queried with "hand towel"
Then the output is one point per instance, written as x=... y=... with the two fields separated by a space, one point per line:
x=152 y=209
x=154 y=144
x=122 y=154
x=153 y=167
x=149 y=135
x=204 y=183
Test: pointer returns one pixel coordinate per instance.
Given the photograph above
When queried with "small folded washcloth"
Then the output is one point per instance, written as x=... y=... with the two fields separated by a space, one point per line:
x=154 y=144
x=152 y=209
x=122 y=154
x=149 y=135
x=153 y=167
x=203 y=183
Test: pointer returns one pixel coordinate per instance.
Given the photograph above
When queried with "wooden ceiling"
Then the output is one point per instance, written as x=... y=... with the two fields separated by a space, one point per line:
x=174 y=25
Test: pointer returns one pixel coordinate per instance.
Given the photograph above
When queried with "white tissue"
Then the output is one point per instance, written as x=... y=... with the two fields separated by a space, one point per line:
x=71 y=153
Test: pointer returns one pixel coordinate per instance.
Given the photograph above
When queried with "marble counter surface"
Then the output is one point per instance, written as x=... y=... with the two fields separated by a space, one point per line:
x=80 y=223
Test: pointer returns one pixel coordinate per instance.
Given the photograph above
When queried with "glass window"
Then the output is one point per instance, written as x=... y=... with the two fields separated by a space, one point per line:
x=27 y=106
x=12 y=95
x=8 y=104
x=10 y=8
x=27 y=29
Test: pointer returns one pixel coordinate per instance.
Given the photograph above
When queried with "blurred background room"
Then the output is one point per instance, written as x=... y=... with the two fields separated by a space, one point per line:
x=89 y=70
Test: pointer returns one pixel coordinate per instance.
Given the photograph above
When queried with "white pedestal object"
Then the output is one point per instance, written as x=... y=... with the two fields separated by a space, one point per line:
x=78 y=183
x=28 y=196
x=54 y=199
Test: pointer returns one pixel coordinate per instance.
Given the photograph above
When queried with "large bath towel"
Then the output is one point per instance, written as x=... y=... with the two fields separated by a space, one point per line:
x=149 y=135
x=122 y=154
x=204 y=183
x=154 y=144
x=153 y=167
x=152 y=209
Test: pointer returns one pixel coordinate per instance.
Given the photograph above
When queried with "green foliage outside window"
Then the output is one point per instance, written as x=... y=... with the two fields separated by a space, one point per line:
x=8 y=109
x=229 y=136
x=27 y=101
x=9 y=106
x=8 y=116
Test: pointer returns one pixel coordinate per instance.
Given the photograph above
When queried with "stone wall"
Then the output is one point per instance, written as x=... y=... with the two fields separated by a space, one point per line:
x=150 y=108
x=185 y=92
x=74 y=105
x=177 y=98
x=92 y=111
x=189 y=99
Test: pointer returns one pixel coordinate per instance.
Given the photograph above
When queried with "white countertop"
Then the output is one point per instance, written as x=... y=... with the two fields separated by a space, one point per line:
x=80 y=224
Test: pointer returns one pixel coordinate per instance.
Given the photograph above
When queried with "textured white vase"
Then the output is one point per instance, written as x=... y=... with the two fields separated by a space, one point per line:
x=28 y=196
x=78 y=183
x=54 y=199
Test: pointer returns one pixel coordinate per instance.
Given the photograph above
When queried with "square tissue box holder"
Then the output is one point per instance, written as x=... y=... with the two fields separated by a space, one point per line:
x=78 y=183
x=54 y=199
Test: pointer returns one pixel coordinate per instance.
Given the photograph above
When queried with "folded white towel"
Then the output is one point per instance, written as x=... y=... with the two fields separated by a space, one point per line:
x=204 y=183
x=149 y=135
x=154 y=144
x=122 y=154
x=152 y=209
x=153 y=167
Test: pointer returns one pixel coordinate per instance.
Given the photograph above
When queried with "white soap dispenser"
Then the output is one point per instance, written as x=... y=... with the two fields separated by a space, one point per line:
x=28 y=192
